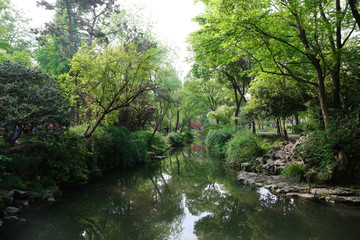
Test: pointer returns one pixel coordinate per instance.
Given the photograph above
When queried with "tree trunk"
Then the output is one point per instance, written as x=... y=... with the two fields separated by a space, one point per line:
x=91 y=129
x=159 y=120
x=278 y=126
x=177 y=120
x=323 y=103
x=284 y=127
x=296 y=118
x=182 y=126
x=337 y=64
x=353 y=4
x=253 y=127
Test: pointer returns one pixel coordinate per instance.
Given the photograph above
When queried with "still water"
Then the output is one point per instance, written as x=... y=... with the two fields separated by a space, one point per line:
x=187 y=196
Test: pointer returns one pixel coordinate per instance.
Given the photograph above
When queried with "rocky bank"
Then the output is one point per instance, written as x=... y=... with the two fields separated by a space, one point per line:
x=266 y=172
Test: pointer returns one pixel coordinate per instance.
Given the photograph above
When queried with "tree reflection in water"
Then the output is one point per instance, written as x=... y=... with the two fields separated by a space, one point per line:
x=188 y=196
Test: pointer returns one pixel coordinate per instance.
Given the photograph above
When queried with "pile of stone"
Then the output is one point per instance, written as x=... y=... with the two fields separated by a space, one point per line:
x=16 y=200
x=274 y=161
x=266 y=172
x=280 y=185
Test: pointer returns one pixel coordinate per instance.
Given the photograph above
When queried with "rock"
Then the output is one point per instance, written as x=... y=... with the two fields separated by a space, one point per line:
x=151 y=154
x=258 y=161
x=342 y=161
x=235 y=165
x=302 y=195
x=96 y=173
x=11 y=211
x=18 y=195
x=21 y=148
x=311 y=175
x=15 y=219
x=22 y=203
x=48 y=197
x=319 y=191
x=245 y=166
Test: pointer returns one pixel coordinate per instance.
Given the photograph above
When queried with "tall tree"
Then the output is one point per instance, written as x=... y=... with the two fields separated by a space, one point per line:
x=109 y=79
x=30 y=98
x=15 y=39
x=295 y=38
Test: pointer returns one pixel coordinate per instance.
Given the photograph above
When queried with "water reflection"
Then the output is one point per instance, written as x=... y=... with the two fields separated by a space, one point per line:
x=183 y=197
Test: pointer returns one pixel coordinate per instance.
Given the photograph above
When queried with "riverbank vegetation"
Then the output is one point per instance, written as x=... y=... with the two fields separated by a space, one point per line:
x=288 y=64
x=78 y=99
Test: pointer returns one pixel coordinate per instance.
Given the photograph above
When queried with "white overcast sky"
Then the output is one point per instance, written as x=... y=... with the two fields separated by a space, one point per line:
x=172 y=20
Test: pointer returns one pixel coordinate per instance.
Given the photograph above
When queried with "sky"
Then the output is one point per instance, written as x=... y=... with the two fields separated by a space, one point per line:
x=172 y=22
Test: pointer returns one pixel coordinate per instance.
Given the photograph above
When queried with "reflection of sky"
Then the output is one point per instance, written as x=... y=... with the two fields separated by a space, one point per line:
x=267 y=199
x=218 y=187
x=166 y=177
x=267 y=196
x=188 y=223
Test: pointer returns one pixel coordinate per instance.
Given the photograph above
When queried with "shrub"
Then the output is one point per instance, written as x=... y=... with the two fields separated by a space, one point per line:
x=294 y=172
x=217 y=138
x=268 y=141
x=243 y=146
x=116 y=147
x=322 y=149
x=70 y=159
x=4 y=160
x=159 y=143
x=188 y=136
x=305 y=127
x=176 y=139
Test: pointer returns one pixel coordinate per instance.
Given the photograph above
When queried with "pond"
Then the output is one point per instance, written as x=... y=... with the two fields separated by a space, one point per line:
x=189 y=195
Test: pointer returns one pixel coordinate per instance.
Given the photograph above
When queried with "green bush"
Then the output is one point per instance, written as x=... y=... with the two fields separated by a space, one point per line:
x=294 y=172
x=243 y=147
x=217 y=138
x=268 y=141
x=4 y=160
x=305 y=127
x=116 y=147
x=188 y=136
x=176 y=139
x=159 y=143
x=13 y=181
x=320 y=152
x=70 y=159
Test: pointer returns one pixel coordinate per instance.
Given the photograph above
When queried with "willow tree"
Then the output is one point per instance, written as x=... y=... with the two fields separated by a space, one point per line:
x=109 y=79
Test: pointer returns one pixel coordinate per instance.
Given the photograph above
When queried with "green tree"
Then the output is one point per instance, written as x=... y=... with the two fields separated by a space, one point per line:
x=15 y=39
x=109 y=79
x=274 y=96
x=164 y=97
x=30 y=98
x=4 y=4
x=301 y=39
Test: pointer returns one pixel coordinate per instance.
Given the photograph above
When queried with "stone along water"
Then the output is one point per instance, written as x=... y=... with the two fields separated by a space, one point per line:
x=186 y=196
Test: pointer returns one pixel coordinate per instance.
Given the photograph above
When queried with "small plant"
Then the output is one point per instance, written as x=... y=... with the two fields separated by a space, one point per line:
x=217 y=138
x=333 y=153
x=294 y=172
x=188 y=136
x=176 y=139
x=243 y=146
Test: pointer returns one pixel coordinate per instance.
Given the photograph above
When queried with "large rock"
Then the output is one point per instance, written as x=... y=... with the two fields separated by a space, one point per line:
x=11 y=211
x=48 y=197
x=21 y=197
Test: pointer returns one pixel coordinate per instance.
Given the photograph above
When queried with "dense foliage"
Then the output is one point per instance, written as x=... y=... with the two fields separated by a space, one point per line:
x=31 y=100
x=217 y=138
x=243 y=147
x=331 y=156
